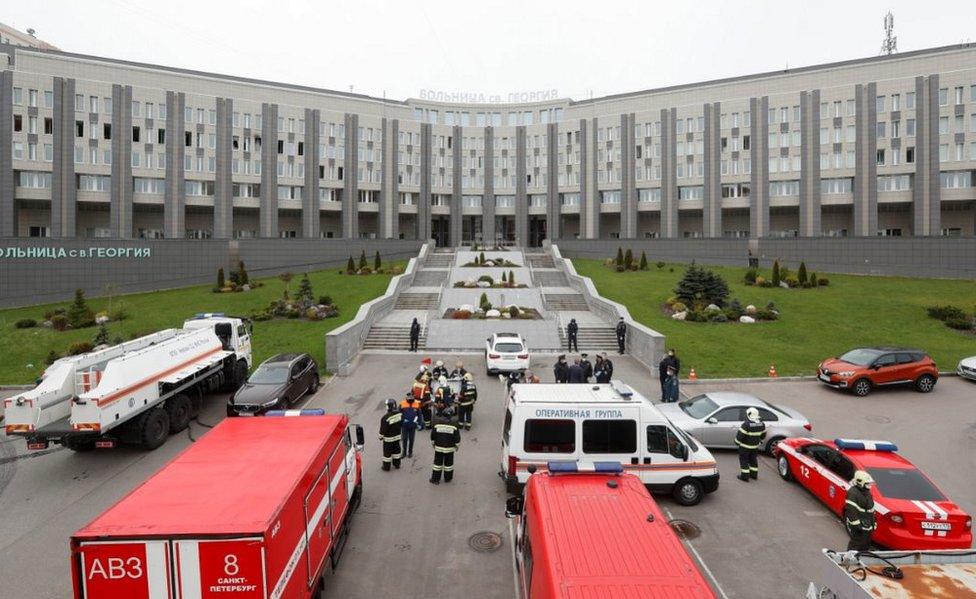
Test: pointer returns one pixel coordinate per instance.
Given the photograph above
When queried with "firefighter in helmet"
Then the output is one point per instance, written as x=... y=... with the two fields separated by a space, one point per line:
x=859 y=512
x=445 y=436
x=467 y=397
x=390 y=425
x=749 y=439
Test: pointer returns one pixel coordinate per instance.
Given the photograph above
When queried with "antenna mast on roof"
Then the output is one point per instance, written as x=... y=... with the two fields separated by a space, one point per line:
x=890 y=44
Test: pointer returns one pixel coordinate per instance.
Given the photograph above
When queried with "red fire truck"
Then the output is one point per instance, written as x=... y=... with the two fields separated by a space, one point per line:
x=589 y=531
x=254 y=509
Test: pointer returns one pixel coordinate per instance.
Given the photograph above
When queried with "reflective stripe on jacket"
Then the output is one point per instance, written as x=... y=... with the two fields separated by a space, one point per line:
x=750 y=435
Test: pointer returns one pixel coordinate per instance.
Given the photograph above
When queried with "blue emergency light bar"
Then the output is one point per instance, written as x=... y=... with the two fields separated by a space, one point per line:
x=305 y=412
x=574 y=467
x=865 y=445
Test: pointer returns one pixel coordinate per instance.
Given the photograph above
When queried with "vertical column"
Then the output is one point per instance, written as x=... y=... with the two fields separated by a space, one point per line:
x=810 y=164
x=63 y=188
x=712 y=205
x=488 y=202
x=669 y=181
x=759 y=156
x=120 y=207
x=391 y=178
x=8 y=206
x=350 y=192
x=457 y=171
x=311 y=221
x=521 y=197
x=223 y=226
x=866 y=166
x=628 y=187
x=173 y=207
x=585 y=176
x=423 y=208
x=592 y=204
x=933 y=179
x=268 y=212
x=553 y=213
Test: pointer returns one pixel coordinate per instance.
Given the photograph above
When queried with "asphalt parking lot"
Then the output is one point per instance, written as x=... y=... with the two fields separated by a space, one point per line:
x=411 y=538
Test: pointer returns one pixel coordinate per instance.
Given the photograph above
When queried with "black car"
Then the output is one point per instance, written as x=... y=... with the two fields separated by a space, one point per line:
x=277 y=384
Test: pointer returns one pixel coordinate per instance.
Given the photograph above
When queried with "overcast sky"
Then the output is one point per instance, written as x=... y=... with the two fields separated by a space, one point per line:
x=492 y=46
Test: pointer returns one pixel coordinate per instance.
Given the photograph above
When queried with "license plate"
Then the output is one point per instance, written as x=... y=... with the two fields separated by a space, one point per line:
x=936 y=526
x=825 y=378
x=245 y=414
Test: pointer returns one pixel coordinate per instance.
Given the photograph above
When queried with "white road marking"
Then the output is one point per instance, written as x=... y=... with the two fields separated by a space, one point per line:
x=701 y=561
x=515 y=580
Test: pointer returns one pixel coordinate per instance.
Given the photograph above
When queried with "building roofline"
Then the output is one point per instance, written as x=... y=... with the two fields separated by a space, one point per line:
x=14 y=49
x=182 y=71
x=769 y=74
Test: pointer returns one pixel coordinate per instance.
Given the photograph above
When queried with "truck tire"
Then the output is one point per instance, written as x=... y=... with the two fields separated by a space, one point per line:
x=179 y=411
x=153 y=427
x=240 y=375
x=688 y=492
x=79 y=445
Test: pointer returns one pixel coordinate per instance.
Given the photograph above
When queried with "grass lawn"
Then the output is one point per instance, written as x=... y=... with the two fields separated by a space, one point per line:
x=814 y=323
x=148 y=312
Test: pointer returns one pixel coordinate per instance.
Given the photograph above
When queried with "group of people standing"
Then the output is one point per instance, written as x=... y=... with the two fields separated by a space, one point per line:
x=668 y=370
x=582 y=370
x=438 y=400
x=572 y=334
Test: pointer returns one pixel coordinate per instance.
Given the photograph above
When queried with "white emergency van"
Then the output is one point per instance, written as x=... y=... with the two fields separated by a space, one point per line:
x=602 y=422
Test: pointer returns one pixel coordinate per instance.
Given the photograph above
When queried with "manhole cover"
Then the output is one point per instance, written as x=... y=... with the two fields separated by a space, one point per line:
x=485 y=541
x=685 y=529
x=878 y=419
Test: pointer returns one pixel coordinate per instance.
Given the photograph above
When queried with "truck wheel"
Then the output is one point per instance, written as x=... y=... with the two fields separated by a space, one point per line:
x=178 y=410
x=78 y=445
x=240 y=374
x=688 y=491
x=357 y=497
x=153 y=426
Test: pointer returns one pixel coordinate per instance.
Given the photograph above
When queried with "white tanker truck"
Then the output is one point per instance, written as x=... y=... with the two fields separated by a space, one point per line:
x=137 y=392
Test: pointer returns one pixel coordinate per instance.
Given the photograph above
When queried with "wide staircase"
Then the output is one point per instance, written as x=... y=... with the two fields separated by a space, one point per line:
x=540 y=261
x=549 y=278
x=429 y=278
x=592 y=338
x=392 y=337
x=565 y=302
x=440 y=260
x=417 y=301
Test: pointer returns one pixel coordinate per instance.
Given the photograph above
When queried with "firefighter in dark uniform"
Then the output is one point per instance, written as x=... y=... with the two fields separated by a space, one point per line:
x=444 y=395
x=445 y=437
x=390 y=426
x=459 y=371
x=859 y=512
x=749 y=439
x=414 y=335
x=468 y=395
x=621 y=331
x=438 y=371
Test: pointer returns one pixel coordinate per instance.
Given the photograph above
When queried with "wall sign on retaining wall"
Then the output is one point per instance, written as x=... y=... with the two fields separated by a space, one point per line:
x=93 y=253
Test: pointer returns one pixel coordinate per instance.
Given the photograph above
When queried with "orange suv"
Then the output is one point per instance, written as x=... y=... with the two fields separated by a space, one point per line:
x=865 y=368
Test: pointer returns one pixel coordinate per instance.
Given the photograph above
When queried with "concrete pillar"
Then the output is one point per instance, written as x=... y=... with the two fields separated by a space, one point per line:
x=488 y=201
x=628 y=185
x=8 y=206
x=268 y=213
x=456 y=190
x=63 y=188
x=712 y=205
x=350 y=193
x=552 y=185
x=669 y=180
x=759 y=156
x=423 y=208
x=810 y=223
x=223 y=213
x=311 y=222
x=521 y=196
x=174 y=207
x=866 y=166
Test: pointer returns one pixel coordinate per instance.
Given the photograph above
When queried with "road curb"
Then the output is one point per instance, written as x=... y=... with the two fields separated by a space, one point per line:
x=766 y=379
x=16 y=387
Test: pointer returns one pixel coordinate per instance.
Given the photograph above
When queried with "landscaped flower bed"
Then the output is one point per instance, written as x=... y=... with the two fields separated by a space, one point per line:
x=480 y=261
x=513 y=312
x=489 y=282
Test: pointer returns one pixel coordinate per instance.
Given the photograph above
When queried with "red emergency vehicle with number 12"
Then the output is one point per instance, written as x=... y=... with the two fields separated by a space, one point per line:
x=255 y=509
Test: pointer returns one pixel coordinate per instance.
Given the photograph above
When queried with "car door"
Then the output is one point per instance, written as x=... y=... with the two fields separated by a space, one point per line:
x=662 y=458
x=307 y=375
x=294 y=387
x=836 y=481
x=720 y=427
x=811 y=468
x=886 y=369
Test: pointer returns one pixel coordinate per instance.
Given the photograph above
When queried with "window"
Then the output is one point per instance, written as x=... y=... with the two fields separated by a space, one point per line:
x=145 y=185
x=36 y=231
x=783 y=188
x=880 y=104
x=910 y=100
x=18 y=123
x=895 y=102
x=880 y=158
x=198 y=188
x=944 y=152
x=18 y=98
x=944 y=96
x=956 y=179
x=910 y=127
x=881 y=129
x=661 y=439
x=549 y=436
x=910 y=155
x=836 y=186
x=79 y=128
x=34 y=179
x=609 y=436
x=94 y=183
x=643 y=195
x=135 y=134
x=958 y=94
x=609 y=197
x=894 y=183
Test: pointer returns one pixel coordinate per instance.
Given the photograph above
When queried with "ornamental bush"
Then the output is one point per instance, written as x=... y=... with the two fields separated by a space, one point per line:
x=79 y=314
x=350 y=266
x=25 y=323
x=946 y=313
x=751 y=276
x=620 y=256
x=79 y=347
x=776 y=274
x=628 y=259
x=220 y=278
x=801 y=274
x=699 y=285
x=960 y=324
x=376 y=261
x=643 y=261
x=362 y=260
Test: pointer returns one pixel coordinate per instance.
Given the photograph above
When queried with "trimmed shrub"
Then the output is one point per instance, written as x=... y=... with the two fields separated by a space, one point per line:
x=701 y=285
x=766 y=314
x=487 y=279
x=350 y=266
x=376 y=261
x=812 y=279
x=946 y=313
x=718 y=317
x=292 y=313
x=220 y=278
x=643 y=261
x=483 y=302
x=960 y=324
x=792 y=281
x=25 y=323
x=823 y=282
x=801 y=274
x=325 y=300
x=79 y=314
x=305 y=294
x=513 y=311
x=511 y=277
x=678 y=307
x=776 y=274
x=79 y=347
x=52 y=357
x=672 y=300
x=52 y=313
x=620 y=268
x=242 y=277
x=59 y=322
x=461 y=315
x=504 y=277
x=751 y=276
x=620 y=256
x=362 y=260
x=696 y=316
x=101 y=338
x=628 y=258
x=660 y=265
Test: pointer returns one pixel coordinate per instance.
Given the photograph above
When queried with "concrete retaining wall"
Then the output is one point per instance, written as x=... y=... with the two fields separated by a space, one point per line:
x=34 y=271
x=643 y=343
x=344 y=343
x=937 y=257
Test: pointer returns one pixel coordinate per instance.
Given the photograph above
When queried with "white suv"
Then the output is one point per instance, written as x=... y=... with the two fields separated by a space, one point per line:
x=506 y=352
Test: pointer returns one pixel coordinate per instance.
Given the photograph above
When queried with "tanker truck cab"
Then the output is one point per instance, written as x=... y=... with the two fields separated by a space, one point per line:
x=234 y=332
x=606 y=423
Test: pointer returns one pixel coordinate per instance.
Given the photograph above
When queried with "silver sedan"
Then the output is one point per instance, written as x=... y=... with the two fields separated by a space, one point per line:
x=713 y=418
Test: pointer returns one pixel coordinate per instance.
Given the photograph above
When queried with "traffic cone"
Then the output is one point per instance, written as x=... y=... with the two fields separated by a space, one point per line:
x=692 y=376
x=772 y=371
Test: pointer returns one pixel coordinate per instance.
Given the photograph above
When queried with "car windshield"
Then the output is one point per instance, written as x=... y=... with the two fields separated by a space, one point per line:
x=269 y=374
x=861 y=357
x=905 y=483
x=687 y=438
x=698 y=407
x=509 y=348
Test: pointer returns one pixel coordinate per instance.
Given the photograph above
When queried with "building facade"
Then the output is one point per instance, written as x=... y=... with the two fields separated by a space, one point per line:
x=100 y=148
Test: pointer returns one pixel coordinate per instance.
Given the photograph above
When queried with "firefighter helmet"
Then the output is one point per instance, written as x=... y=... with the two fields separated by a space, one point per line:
x=752 y=414
x=468 y=377
x=862 y=479
x=391 y=405
x=442 y=380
